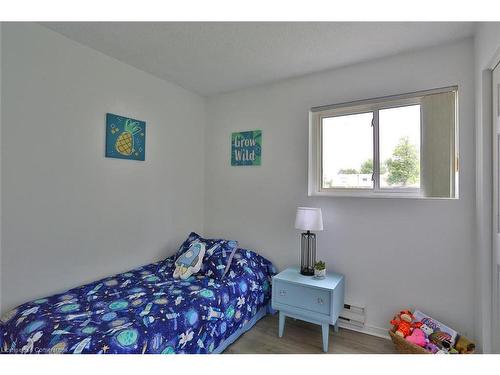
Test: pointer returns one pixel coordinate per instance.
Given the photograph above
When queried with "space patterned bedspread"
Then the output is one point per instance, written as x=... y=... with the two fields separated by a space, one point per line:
x=144 y=310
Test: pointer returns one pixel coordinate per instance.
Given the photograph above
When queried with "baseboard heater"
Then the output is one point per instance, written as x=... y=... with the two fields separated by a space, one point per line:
x=353 y=316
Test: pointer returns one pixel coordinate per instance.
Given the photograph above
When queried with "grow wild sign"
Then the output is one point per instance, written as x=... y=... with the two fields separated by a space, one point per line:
x=246 y=148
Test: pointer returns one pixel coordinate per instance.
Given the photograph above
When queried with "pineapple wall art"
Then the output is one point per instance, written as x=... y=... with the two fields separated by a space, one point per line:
x=125 y=138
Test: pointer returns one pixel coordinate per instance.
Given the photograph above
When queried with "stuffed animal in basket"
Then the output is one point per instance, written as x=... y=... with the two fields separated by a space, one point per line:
x=417 y=337
x=402 y=323
x=441 y=339
x=464 y=345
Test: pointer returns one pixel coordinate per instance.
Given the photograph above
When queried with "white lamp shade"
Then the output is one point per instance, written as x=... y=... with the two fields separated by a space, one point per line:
x=309 y=218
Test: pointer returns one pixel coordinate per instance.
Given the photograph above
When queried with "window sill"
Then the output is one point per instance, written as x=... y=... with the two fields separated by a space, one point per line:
x=372 y=194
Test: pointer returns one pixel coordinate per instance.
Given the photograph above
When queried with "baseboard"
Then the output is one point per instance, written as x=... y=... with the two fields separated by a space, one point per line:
x=367 y=329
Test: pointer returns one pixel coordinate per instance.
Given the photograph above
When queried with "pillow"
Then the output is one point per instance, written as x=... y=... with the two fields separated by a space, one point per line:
x=248 y=261
x=218 y=262
x=185 y=245
x=218 y=254
x=189 y=262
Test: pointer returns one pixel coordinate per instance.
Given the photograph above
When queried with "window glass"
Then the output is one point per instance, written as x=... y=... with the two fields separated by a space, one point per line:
x=399 y=140
x=347 y=151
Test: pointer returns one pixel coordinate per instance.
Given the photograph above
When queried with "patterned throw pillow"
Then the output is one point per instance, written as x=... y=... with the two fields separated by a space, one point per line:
x=218 y=254
x=189 y=262
x=217 y=264
x=248 y=261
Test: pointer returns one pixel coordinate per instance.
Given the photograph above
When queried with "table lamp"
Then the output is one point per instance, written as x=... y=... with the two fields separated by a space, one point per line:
x=308 y=219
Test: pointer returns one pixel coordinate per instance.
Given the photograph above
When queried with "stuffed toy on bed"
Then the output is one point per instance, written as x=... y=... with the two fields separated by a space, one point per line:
x=190 y=261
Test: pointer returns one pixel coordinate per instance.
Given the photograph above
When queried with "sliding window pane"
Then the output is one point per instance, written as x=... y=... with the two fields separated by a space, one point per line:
x=399 y=135
x=347 y=151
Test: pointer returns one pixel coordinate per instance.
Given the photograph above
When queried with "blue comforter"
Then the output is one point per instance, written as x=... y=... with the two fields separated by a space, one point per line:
x=143 y=311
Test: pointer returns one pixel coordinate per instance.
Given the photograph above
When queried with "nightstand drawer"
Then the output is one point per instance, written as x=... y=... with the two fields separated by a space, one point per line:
x=301 y=296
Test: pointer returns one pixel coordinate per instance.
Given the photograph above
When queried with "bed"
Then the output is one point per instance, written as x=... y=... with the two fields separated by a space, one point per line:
x=145 y=310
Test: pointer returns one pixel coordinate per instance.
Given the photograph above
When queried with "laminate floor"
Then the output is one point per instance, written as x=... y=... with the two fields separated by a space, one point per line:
x=305 y=338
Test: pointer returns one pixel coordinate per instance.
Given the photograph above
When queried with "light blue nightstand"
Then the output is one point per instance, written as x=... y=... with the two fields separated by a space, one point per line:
x=306 y=298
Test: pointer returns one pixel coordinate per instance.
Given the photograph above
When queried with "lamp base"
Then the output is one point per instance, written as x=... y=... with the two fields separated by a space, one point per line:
x=307 y=271
x=307 y=253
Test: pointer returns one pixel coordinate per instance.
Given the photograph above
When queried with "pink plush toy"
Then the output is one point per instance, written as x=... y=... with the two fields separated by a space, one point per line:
x=417 y=337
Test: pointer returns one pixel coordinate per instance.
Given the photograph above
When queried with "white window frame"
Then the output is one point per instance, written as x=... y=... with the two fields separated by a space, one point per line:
x=317 y=114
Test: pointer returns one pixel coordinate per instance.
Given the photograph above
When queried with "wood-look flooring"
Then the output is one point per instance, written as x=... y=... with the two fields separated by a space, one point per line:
x=305 y=338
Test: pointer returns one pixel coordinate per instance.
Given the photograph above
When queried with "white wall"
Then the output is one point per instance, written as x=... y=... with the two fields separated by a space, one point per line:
x=70 y=215
x=487 y=48
x=394 y=253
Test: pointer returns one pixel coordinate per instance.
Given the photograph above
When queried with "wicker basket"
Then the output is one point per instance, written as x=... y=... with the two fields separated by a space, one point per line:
x=404 y=346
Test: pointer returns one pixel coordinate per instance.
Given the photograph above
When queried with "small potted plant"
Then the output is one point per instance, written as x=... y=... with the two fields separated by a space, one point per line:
x=319 y=269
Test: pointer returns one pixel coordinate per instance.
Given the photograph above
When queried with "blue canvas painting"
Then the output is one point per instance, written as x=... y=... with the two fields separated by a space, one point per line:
x=246 y=148
x=125 y=138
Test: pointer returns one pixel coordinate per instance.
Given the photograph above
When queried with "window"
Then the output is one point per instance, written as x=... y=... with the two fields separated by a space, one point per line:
x=400 y=146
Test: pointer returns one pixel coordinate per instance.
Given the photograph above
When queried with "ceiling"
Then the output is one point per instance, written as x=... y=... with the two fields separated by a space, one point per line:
x=215 y=57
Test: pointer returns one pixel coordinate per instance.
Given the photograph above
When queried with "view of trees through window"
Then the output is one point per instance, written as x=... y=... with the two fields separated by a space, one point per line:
x=348 y=145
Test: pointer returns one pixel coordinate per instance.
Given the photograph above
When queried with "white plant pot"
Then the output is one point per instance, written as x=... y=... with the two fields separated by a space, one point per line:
x=319 y=273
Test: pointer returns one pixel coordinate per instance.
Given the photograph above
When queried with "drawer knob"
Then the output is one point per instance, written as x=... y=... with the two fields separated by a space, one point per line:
x=320 y=300
x=282 y=292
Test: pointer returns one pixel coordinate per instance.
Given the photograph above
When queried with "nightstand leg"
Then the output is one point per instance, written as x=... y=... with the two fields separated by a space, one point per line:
x=336 y=326
x=281 y=324
x=325 y=330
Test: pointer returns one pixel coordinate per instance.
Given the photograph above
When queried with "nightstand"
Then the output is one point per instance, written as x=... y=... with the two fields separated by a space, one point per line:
x=309 y=299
